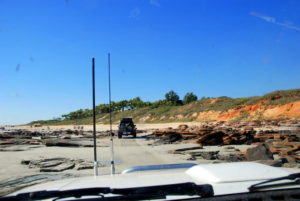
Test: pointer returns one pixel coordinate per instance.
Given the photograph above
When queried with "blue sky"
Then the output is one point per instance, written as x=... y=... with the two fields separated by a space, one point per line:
x=213 y=48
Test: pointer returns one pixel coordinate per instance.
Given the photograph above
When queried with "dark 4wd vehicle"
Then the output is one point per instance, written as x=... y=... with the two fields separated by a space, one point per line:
x=126 y=127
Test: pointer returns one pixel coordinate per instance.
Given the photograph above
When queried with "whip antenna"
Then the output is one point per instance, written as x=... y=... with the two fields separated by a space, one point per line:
x=94 y=120
x=112 y=162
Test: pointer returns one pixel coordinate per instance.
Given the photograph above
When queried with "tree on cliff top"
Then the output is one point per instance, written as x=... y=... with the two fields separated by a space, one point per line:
x=189 y=97
x=172 y=97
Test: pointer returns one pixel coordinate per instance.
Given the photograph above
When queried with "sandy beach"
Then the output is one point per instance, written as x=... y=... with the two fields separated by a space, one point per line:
x=104 y=127
x=31 y=155
x=128 y=152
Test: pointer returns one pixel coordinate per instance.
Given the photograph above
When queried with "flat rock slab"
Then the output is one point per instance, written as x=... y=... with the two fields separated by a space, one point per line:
x=15 y=148
x=44 y=163
x=85 y=165
x=70 y=142
x=184 y=150
x=58 y=164
x=207 y=155
x=59 y=168
x=61 y=142
x=15 y=184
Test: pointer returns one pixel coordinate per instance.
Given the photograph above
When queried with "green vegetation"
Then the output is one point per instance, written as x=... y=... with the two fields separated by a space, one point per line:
x=189 y=97
x=171 y=108
x=279 y=97
x=172 y=97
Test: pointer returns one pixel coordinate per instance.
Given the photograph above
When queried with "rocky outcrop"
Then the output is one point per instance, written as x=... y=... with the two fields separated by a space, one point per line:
x=276 y=142
x=226 y=133
x=58 y=164
x=260 y=152
x=64 y=138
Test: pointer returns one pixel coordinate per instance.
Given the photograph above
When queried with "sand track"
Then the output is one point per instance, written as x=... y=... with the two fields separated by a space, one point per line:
x=128 y=152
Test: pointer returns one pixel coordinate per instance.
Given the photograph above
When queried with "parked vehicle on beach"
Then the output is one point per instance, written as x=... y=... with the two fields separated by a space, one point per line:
x=126 y=127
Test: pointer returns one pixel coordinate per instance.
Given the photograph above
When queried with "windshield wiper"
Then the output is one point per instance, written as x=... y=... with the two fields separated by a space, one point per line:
x=40 y=195
x=148 y=192
x=295 y=177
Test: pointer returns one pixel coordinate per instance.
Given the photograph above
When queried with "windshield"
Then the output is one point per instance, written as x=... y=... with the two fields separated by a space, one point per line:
x=204 y=81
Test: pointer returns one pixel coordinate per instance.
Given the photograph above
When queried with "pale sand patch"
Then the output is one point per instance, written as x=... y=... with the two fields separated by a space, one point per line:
x=104 y=127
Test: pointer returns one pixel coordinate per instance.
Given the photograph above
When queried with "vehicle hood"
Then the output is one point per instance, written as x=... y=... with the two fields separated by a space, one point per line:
x=226 y=178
